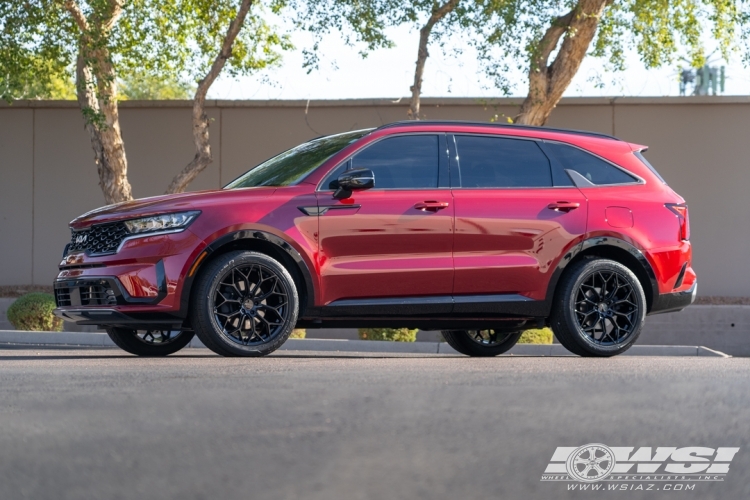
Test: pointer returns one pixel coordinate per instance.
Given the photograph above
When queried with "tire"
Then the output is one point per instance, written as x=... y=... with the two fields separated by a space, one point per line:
x=599 y=308
x=244 y=304
x=480 y=343
x=150 y=342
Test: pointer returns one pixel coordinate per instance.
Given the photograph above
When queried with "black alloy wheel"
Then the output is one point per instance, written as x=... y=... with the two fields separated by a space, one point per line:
x=599 y=309
x=606 y=308
x=245 y=304
x=150 y=342
x=481 y=342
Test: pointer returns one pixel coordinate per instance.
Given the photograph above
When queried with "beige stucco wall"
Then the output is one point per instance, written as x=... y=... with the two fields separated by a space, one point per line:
x=47 y=175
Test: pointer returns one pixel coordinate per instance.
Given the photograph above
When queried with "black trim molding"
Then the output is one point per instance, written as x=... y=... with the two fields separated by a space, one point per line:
x=249 y=234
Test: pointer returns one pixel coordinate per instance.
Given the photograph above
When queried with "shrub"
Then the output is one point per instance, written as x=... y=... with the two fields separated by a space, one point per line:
x=395 y=334
x=536 y=336
x=298 y=333
x=33 y=312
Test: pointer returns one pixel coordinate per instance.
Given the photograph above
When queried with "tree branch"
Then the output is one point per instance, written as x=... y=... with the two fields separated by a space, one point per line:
x=422 y=54
x=547 y=82
x=78 y=16
x=203 y=155
x=549 y=41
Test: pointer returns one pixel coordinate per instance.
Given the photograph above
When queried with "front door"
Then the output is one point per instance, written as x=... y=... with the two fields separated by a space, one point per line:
x=513 y=225
x=394 y=240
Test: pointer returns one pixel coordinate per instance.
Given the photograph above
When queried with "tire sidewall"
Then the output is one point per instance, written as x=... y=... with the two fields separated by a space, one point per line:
x=127 y=340
x=205 y=303
x=579 y=336
x=460 y=341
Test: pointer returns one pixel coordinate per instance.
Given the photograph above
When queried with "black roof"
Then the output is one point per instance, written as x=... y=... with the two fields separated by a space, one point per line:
x=416 y=123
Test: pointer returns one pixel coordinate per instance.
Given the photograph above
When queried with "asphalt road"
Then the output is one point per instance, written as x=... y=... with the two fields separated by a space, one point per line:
x=96 y=424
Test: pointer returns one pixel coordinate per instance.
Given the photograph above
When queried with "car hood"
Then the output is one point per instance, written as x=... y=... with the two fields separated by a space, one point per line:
x=182 y=202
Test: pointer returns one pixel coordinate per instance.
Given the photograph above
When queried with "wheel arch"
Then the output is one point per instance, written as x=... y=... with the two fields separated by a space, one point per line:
x=614 y=249
x=259 y=241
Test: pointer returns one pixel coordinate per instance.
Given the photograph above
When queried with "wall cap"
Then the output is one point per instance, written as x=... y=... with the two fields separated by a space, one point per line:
x=402 y=102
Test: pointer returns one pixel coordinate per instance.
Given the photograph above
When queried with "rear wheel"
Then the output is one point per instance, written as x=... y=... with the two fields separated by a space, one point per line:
x=481 y=342
x=150 y=342
x=599 y=309
x=244 y=304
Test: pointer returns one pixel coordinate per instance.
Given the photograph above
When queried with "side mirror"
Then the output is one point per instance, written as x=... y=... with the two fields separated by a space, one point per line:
x=354 y=180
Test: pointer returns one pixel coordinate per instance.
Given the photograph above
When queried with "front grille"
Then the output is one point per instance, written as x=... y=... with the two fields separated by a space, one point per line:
x=85 y=293
x=98 y=240
x=62 y=297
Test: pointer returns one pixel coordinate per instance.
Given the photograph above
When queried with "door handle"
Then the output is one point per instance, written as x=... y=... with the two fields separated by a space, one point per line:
x=431 y=206
x=563 y=206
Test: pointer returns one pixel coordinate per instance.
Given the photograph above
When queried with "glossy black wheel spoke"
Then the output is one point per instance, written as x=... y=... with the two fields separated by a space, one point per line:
x=157 y=337
x=488 y=338
x=250 y=304
x=606 y=308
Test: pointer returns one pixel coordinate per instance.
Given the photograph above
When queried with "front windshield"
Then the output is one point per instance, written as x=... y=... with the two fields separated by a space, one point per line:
x=293 y=165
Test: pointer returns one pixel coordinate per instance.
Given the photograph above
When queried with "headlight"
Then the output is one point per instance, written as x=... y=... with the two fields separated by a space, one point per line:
x=164 y=222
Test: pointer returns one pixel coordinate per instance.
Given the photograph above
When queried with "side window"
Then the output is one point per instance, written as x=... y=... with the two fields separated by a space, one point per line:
x=332 y=180
x=488 y=162
x=595 y=170
x=403 y=162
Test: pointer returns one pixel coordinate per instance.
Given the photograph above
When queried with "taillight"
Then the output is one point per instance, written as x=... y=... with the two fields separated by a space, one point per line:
x=681 y=211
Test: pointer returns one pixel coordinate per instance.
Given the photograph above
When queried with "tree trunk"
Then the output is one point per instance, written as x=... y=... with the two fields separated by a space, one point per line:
x=422 y=54
x=203 y=155
x=547 y=83
x=96 y=89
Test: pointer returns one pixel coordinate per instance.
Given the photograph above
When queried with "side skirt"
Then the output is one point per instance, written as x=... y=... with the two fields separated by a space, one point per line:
x=427 y=312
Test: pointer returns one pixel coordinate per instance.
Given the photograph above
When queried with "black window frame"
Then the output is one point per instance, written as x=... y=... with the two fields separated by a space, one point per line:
x=443 y=164
x=455 y=163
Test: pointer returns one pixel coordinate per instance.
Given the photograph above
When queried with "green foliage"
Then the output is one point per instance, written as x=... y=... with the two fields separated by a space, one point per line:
x=394 y=334
x=536 y=336
x=33 y=312
x=147 y=86
x=152 y=42
x=365 y=22
x=298 y=333
x=508 y=33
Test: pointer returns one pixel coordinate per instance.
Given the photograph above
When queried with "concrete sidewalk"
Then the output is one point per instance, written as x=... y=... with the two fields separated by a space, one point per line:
x=96 y=339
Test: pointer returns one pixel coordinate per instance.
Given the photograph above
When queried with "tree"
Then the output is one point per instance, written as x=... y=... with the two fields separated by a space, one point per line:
x=366 y=22
x=40 y=40
x=437 y=14
x=239 y=53
x=553 y=37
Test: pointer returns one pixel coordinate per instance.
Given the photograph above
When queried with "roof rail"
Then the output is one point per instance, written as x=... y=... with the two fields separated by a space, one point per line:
x=497 y=125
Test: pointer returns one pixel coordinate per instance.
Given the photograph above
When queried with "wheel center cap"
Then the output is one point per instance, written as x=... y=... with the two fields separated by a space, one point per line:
x=248 y=304
x=603 y=307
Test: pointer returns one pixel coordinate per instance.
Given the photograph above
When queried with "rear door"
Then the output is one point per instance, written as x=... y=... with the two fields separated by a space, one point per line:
x=394 y=240
x=513 y=224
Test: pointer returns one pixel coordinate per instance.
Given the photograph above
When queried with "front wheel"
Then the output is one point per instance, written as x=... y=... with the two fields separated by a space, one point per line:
x=244 y=304
x=481 y=343
x=599 y=308
x=150 y=342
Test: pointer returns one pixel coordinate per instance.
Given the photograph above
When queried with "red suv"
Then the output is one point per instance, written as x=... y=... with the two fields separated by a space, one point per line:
x=475 y=229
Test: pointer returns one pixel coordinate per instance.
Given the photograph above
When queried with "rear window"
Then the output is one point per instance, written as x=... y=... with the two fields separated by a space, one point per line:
x=639 y=155
x=594 y=169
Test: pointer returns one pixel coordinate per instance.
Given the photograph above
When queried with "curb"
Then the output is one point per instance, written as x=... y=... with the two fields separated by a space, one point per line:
x=95 y=339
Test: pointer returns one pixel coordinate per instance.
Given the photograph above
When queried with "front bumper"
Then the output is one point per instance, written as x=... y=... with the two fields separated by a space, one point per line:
x=676 y=301
x=108 y=317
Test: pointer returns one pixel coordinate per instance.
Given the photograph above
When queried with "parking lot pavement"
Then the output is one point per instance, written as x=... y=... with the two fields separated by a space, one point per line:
x=99 y=424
